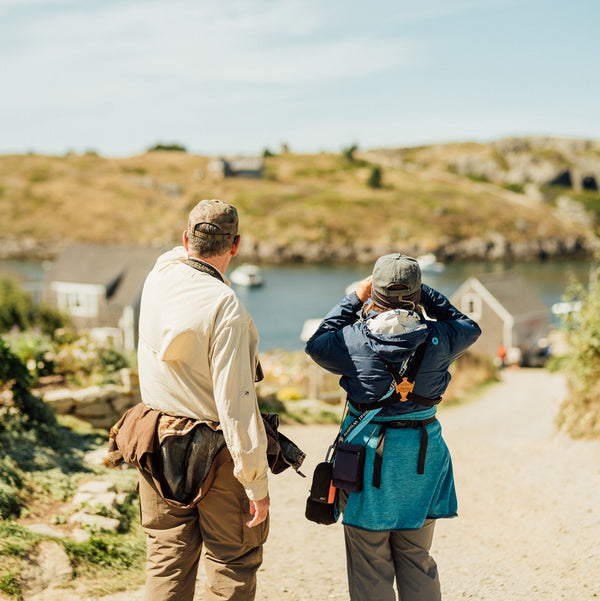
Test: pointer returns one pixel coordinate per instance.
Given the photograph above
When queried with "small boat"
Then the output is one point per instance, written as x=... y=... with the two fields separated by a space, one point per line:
x=429 y=264
x=565 y=308
x=246 y=275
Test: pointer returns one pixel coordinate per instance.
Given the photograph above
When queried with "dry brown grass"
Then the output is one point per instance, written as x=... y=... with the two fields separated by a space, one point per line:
x=324 y=197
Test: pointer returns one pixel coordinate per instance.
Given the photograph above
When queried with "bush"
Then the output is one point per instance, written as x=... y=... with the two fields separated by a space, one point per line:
x=34 y=349
x=24 y=411
x=79 y=359
x=517 y=188
x=18 y=311
x=84 y=362
x=375 y=178
x=170 y=147
x=580 y=413
x=15 y=306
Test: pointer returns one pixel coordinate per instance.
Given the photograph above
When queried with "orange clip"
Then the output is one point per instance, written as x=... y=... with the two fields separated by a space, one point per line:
x=404 y=388
x=331 y=496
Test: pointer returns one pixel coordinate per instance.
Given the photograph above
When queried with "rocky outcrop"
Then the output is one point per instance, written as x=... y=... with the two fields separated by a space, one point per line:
x=497 y=248
x=48 y=568
x=494 y=247
x=101 y=406
x=544 y=161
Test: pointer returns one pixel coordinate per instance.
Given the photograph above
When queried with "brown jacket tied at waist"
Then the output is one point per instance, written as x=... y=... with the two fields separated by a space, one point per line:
x=182 y=454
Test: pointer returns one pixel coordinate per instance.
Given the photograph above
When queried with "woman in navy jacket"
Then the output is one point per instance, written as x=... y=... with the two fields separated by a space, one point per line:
x=392 y=327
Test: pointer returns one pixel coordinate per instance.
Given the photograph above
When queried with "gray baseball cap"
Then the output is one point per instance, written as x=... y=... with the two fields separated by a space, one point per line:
x=395 y=277
x=214 y=219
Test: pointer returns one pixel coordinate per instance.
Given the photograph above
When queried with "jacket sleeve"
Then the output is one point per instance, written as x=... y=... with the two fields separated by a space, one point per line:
x=326 y=346
x=462 y=330
x=233 y=362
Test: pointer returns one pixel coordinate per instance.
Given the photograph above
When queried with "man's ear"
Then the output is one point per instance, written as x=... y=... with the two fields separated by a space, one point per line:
x=186 y=240
x=236 y=245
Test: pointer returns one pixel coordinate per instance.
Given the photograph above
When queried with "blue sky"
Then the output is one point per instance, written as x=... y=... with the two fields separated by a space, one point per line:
x=238 y=76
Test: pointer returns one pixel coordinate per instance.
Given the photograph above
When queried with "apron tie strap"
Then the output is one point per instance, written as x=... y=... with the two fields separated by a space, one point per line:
x=381 y=441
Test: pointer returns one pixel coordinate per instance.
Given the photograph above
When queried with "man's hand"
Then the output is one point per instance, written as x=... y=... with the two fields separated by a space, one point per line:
x=260 y=510
x=363 y=290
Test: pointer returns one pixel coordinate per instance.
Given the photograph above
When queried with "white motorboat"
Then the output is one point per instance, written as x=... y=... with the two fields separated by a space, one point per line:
x=429 y=264
x=565 y=308
x=247 y=275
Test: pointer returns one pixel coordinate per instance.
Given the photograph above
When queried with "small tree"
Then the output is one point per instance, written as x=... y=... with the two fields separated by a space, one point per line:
x=348 y=153
x=374 y=180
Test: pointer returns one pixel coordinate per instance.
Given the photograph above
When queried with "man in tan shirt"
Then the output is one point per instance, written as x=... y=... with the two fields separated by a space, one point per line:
x=197 y=358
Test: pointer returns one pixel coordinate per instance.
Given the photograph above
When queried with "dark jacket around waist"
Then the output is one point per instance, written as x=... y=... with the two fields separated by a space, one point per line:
x=183 y=461
x=345 y=345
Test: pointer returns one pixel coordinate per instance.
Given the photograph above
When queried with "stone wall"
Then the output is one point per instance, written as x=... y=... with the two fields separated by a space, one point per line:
x=100 y=406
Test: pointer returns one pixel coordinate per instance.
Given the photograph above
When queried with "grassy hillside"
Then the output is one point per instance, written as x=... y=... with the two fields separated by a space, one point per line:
x=313 y=201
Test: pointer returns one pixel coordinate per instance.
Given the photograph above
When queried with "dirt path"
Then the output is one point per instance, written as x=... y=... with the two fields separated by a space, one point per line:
x=529 y=505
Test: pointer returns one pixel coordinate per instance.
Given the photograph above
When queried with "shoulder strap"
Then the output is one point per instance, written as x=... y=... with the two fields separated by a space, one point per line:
x=204 y=267
x=405 y=383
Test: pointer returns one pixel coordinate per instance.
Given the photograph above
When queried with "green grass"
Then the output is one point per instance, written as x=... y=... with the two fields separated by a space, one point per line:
x=9 y=583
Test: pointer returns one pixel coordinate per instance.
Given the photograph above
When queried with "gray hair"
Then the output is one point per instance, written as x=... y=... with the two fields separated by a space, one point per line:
x=208 y=247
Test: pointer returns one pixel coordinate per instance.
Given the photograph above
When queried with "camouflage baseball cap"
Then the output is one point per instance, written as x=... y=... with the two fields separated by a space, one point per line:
x=213 y=219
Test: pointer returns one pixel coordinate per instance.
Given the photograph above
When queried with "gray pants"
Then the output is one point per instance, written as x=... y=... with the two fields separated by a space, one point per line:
x=374 y=559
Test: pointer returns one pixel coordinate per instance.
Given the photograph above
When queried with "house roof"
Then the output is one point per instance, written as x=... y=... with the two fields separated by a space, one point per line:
x=513 y=293
x=123 y=268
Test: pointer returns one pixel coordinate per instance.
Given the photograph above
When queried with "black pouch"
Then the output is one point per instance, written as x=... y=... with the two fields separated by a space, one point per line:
x=320 y=505
x=348 y=466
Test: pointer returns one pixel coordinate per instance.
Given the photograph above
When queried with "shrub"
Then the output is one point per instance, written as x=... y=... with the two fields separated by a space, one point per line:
x=375 y=178
x=580 y=412
x=83 y=361
x=34 y=349
x=15 y=306
x=79 y=359
x=517 y=188
x=24 y=411
x=18 y=311
x=170 y=147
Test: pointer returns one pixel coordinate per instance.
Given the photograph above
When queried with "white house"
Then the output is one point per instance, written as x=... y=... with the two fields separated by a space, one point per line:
x=508 y=310
x=99 y=287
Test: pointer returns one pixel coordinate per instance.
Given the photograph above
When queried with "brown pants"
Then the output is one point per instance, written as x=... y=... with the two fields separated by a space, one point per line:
x=175 y=538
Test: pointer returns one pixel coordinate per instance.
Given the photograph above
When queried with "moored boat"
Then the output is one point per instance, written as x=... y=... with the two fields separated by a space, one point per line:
x=247 y=275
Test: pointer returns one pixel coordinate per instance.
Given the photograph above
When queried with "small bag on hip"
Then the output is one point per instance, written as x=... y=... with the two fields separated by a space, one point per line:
x=348 y=466
x=321 y=502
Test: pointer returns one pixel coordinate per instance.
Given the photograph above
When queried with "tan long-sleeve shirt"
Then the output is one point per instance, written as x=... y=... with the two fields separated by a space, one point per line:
x=197 y=356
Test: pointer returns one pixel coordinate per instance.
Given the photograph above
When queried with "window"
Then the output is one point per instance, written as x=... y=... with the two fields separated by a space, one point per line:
x=471 y=306
x=79 y=300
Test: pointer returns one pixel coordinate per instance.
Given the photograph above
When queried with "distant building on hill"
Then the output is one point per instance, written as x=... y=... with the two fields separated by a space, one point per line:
x=100 y=287
x=510 y=313
x=242 y=166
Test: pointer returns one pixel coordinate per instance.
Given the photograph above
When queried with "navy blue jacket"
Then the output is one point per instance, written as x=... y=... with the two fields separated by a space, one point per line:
x=344 y=345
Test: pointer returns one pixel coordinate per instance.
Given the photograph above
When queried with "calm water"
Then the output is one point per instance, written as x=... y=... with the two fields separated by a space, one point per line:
x=293 y=294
